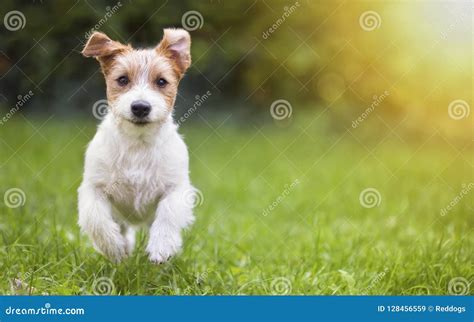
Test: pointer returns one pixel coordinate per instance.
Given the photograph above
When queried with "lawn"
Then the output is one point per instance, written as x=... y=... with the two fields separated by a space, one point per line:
x=294 y=209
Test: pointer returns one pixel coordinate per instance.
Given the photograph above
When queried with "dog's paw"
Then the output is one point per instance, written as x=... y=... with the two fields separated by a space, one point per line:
x=161 y=249
x=129 y=241
x=114 y=247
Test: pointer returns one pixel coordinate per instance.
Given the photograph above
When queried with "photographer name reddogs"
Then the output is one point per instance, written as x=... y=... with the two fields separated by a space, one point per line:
x=450 y=308
x=420 y=308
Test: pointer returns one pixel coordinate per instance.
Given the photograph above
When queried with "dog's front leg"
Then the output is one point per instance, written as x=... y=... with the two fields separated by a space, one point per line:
x=95 y=219
x=174 y=213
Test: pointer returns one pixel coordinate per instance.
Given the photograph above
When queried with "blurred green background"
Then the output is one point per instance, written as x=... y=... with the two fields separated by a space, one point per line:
x=319 y=56
x=292 y=112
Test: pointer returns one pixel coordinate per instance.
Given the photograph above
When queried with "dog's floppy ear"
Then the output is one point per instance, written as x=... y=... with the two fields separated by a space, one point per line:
x=99 y=45
x=176 y=45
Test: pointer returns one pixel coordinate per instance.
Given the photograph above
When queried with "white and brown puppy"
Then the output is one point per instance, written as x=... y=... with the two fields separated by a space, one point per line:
x=136 y=166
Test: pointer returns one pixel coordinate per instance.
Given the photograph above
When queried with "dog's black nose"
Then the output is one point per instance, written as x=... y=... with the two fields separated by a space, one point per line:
x=141 y=108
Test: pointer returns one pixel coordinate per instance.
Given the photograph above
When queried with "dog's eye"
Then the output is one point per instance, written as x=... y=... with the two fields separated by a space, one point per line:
x=123 y=80
x=161 y=82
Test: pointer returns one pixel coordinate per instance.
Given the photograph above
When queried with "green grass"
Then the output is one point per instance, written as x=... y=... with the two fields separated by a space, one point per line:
x=318 y=239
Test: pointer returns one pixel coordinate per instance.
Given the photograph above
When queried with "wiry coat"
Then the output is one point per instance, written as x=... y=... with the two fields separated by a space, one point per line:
x=136 y=174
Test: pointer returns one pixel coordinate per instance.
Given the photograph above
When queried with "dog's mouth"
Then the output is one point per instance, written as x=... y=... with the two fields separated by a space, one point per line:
x=139 y=122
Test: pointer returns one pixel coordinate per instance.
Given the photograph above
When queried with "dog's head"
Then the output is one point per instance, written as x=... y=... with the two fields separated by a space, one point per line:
x=142 y=83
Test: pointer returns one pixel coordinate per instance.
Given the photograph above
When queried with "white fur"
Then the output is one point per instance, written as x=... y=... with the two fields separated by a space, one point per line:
x=136 y=176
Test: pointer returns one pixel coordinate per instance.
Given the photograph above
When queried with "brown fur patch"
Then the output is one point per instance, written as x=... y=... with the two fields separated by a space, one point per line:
x=103 y=49
x=142 y=66
x=175 y=45
x=169 y=60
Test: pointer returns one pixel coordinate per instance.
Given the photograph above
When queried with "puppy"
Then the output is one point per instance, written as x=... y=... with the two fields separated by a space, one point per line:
x=136 y=166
